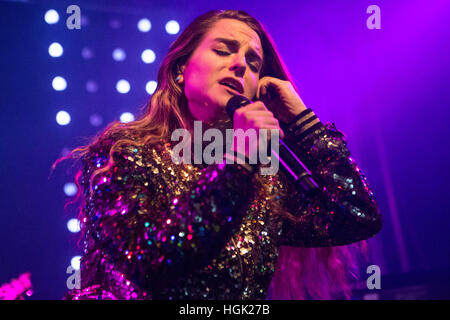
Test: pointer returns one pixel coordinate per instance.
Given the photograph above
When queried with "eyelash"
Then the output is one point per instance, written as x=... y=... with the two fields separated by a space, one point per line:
x=225 y=53
x=222 y=53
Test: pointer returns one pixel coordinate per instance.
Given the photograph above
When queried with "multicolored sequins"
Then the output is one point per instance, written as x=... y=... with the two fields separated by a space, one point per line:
x=156 y=230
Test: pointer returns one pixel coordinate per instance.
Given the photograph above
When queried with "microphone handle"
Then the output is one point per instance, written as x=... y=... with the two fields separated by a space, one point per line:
x=294 y=168
x=290 y=163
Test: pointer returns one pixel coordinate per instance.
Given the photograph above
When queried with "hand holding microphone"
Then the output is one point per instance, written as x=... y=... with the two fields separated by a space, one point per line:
x=284 y=102
x=245 y=115
x=252 y=116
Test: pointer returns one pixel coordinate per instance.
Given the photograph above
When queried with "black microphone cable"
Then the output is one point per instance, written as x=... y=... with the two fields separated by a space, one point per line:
x=291 y=165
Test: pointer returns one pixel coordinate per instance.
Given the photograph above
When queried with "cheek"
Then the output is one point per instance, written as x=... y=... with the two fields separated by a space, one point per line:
x=198 y=76
x=252 y=85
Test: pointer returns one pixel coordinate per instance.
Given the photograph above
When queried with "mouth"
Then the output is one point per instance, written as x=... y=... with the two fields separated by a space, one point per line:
x=231 y=90
x=233 y=85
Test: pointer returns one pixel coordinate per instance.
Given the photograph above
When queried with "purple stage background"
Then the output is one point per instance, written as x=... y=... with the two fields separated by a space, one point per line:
x=386 y=89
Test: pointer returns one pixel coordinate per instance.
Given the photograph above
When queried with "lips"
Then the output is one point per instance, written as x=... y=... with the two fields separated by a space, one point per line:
x=232 y=84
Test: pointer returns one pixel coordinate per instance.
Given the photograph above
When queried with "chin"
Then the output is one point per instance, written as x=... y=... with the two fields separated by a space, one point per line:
x=225 y=98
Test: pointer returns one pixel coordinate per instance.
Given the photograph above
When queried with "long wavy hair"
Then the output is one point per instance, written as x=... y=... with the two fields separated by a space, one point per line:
x=301 y=273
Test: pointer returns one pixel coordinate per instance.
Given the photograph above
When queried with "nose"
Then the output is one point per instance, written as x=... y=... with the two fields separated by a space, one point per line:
x=239 y=65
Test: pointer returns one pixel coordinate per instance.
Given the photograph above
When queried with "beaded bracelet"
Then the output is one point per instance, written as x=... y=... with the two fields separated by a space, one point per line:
x=300 y=127
x=313 y=128
x=298 y=117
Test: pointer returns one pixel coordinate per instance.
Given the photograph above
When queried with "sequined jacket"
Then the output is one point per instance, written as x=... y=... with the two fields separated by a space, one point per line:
x=156 y=230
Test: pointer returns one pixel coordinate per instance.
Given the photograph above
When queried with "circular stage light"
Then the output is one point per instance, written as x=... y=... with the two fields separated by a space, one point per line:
x=126 y=117
x=75 y=262
x=91 y=86
x=172 y=27
x=144 y=25
x=123 y=86
x=96 y=120
x=63 y=118
x=150 y=87
x=55 y=50
x=87 y=53
x=119 y=54
x=59 y=83
x=70 y=189
x=73 y=225
x=148 y=56
x=51 y=16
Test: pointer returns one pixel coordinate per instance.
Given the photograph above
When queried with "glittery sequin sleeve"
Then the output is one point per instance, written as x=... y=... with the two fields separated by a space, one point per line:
x=345 y=210
x=153 y=226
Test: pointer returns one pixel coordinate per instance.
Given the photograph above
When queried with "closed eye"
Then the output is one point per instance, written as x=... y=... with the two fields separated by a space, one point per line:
x=222 y=53
x=254 y=68
x=225 y=53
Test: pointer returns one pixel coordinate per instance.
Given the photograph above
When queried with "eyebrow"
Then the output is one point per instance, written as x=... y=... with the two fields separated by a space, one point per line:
x=236 y=44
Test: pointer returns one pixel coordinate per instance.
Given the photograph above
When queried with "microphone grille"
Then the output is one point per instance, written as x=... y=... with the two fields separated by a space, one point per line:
x=235 y=103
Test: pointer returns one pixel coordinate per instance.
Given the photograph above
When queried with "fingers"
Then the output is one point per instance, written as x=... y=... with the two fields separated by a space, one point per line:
x=257 y=105
x=265 y=82
x=257 y=116
x=254 y=111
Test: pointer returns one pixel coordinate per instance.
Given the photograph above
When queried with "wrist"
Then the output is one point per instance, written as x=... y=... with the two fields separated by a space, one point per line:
x=294 y=114
x=303 y=122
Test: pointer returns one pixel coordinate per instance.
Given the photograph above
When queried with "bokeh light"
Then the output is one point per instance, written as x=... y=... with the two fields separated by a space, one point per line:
x=75 y=262
x=70 y=189
x=119 y=54
x=148 y=56
x=123 y=86
x=63 y=118
x=172 y=27
x=91 y=86
x=73 y=225
x=150 y=87
x=51 y=16
x=87 y=53
x=59 y=83
x=144 y=25
x=96 y=120
x=126 y=117
x=55 y=50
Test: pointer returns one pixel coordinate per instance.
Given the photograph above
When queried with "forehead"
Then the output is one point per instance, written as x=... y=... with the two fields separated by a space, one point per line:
x=235 y=30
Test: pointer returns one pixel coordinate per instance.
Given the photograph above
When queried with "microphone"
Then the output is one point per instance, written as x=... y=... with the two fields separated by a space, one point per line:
x=294 y=169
